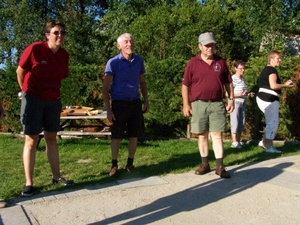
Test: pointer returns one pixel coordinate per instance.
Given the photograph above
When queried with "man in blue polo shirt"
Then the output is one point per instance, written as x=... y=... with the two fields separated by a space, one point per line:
x=124 y=77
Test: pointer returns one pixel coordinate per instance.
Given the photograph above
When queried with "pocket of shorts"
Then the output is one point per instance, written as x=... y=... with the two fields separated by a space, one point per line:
x=221 y=109
x=24 y=119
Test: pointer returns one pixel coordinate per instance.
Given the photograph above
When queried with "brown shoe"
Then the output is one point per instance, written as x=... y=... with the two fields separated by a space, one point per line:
x=3 y=204
x=114 y=172
x=130 y=169
x=222 y=172
x=203 y=169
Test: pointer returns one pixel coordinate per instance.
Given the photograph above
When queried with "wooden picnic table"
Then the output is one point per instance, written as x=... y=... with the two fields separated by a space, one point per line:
x=81 y=124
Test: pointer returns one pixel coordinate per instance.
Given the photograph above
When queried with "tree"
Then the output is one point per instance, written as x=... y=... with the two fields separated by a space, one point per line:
x=269 y=21
x=20 y=26
x=166 y=36
x=17 y=30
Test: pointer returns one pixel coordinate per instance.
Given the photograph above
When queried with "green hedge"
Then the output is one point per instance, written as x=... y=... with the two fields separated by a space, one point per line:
x=82 y=87
x=164 y=86
x=165 y=119
x=9 y=89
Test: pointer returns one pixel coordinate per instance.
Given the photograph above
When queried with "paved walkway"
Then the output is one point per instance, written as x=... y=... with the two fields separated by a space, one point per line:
x=267 y=192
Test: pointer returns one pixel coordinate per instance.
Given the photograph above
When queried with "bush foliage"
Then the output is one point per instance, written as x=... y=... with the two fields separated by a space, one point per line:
x=166 y=36
x=82 y=87
x=84 y=84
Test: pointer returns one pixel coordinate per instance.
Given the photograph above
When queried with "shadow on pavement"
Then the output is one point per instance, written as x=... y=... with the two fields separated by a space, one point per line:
x=243 y=178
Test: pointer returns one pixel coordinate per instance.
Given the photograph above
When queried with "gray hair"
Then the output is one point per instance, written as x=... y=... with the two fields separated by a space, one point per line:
x=119 y=39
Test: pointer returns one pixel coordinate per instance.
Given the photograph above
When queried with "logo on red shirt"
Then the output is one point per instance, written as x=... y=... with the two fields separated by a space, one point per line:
x=217 y=67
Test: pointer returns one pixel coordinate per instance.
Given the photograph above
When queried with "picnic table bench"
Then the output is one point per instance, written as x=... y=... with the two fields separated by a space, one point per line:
x=78 y=123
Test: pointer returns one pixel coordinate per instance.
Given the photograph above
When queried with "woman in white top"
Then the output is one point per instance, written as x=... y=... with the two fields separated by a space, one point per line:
x=237 y=117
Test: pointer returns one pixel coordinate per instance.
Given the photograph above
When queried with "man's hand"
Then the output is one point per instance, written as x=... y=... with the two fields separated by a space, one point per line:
x=187 y=111
x=230 y=106
x=146 y=107
x=110 y=115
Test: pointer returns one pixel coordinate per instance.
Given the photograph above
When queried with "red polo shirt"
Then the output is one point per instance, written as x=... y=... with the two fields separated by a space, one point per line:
x=206 y=82
x=45 y=70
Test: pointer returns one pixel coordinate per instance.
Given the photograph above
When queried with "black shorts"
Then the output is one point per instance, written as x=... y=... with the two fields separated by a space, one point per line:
x=38 y=115
x=129 y=119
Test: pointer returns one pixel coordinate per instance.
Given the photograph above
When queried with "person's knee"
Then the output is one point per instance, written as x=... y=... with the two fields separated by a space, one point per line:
x=203 y=136
x=50 y=137
x=31 y=141
x=216 y=135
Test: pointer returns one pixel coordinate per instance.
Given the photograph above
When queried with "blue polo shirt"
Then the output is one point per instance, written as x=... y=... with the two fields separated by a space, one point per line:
x=125 y=84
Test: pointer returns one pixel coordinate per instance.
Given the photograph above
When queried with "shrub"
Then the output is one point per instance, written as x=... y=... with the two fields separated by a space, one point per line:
x=82 y=87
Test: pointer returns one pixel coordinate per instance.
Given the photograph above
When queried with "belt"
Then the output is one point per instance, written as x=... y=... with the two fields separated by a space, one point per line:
x=271 y=92
x=218 y=100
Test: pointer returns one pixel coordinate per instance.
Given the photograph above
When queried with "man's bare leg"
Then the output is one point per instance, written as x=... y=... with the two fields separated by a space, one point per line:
x=52 y=153
x=29 y=154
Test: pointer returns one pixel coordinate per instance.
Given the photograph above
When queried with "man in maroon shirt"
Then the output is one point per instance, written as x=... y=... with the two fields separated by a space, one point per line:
x=203 y=86
x=41 y=68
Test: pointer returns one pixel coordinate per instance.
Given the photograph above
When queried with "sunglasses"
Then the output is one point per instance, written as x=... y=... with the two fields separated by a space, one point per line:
x=63 y=32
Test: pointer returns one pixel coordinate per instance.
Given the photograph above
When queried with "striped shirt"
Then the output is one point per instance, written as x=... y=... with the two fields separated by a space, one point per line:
x=239 y=85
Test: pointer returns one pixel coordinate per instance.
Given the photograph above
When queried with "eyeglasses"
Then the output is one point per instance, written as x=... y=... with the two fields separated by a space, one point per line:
x=63 y=32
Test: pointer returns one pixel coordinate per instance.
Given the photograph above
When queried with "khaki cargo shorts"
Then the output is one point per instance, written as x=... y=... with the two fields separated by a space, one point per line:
x=208 y=116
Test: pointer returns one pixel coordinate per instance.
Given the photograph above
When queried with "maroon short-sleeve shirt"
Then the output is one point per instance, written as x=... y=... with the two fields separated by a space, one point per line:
x=206 y=82
x=44 y=70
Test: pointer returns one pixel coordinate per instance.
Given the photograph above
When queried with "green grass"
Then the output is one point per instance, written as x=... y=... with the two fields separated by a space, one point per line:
x=88 y=160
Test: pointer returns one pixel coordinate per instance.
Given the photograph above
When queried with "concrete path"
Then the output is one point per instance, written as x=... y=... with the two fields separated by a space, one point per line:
x=267 y=192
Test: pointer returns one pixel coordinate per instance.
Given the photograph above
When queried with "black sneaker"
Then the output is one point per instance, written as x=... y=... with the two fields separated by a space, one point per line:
x=63 y=182
x=27 y=191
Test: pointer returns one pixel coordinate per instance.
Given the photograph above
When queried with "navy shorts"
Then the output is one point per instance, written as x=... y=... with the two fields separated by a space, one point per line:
x=38 y=115
x=129 y=119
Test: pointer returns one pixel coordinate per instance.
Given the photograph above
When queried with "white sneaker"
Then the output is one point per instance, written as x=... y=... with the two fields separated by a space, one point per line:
x=273 y=150
x=242 y=143
x=236 y=145
x=261 y=144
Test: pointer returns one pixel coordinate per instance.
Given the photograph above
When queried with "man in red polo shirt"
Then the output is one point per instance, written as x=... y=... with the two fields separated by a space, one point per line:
x=41 y=68
x=203 y=84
